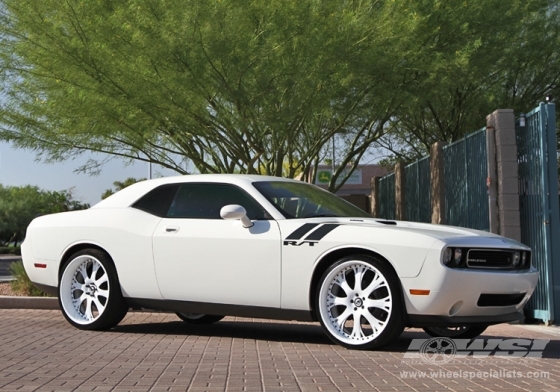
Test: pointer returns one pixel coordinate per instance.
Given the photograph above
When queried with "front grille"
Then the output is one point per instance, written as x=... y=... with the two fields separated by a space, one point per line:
x=500 y=299
x=488 y=258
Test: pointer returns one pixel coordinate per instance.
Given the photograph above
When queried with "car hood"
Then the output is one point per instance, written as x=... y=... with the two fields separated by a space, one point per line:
x=452 y=235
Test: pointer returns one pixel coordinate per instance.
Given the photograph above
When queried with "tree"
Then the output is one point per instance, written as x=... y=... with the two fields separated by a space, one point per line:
x=250 y=87
x=263 y=87
x=120 y=185
x=475 y=56
x=20 y=205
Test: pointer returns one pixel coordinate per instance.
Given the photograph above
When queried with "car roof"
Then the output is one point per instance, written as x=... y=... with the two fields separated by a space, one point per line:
x=132 y=193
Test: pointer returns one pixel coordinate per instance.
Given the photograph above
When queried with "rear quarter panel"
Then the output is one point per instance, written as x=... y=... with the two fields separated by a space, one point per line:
x=124 y=233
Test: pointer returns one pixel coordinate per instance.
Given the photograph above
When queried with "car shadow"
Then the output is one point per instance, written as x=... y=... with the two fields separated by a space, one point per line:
x=277 y=332
x=552 y=349
x=287 y=332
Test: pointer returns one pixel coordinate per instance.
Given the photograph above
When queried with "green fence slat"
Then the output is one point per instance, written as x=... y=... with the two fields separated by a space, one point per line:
x=417 y=191
x=387 y=196
x=465 y=172
x=534 y=199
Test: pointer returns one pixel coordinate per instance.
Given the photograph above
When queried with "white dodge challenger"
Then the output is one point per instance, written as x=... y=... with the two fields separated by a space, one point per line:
x=207 y=246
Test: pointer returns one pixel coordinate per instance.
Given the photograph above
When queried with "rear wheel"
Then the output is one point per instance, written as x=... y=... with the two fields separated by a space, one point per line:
x=359 y=303
x=198 y=318
x=462 y=332
x=89 y=292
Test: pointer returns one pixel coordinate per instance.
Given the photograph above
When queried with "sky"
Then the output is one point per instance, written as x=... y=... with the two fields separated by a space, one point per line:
x=19 y=167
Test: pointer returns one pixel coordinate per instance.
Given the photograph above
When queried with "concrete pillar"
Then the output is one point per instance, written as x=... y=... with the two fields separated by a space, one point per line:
x=503 y=122
x=492 y=181
x=437 y=183
x=400 y=194
x=374 y=197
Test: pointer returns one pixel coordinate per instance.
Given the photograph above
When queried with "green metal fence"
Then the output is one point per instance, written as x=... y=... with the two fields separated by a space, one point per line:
x=417 y=191
x=387 y=197
x=465 y=171
x=538 y=205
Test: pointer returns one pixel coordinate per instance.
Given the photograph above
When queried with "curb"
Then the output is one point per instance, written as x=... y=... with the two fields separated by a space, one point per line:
x=548 y=329
x=8 y=302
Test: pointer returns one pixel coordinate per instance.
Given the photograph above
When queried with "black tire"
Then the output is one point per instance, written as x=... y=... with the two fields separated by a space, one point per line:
x=89 y=292
x=199 y=318
x=380 y=324
x=463 y=332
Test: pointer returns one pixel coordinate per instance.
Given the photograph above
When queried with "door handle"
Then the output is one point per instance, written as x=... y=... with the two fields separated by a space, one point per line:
x=172 y=229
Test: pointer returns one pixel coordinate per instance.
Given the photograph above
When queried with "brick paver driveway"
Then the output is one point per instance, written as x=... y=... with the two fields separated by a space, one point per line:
x=155 y=351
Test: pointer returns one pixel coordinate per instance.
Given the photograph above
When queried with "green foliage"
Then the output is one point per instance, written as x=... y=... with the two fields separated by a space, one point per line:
x=264 y=86
x=10 y=250
x=120 y=185
x=22 y=284
x=471 y=58
x=231 y=86
x=20 y=205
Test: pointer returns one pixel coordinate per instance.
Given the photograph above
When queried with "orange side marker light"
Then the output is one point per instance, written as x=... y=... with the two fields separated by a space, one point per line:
x=419 y=292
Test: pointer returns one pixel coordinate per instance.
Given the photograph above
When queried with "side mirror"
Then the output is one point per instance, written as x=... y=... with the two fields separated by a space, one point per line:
x=235 y=211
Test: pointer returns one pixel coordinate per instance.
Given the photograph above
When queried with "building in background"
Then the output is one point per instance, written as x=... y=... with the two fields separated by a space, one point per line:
x=357 y=189
x=358 y=183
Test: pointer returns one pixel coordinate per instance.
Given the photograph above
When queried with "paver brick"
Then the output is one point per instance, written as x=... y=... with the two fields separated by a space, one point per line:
x=40 y=351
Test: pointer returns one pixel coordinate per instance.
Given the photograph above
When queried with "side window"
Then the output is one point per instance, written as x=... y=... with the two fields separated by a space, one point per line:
x=157 y=201
x=204 y=201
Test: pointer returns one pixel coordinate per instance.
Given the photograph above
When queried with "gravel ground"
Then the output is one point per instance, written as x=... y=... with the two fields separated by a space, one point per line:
x=6 y=289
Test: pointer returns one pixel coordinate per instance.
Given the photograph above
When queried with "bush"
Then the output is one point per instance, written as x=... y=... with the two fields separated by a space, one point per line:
x=10 y=250
x=22 y=284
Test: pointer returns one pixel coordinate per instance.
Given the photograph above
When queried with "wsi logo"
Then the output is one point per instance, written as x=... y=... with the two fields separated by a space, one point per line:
x=437 y=350
x=443 y=350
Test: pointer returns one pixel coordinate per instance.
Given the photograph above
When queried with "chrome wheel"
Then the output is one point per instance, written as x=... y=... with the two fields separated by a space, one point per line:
x=85 y=289
x=198 y=318
x=358 y=299
x=193 y=316
x=89 y=293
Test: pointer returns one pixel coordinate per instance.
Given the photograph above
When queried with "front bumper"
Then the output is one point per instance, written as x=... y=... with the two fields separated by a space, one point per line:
x=455 y=294
x=415 y=320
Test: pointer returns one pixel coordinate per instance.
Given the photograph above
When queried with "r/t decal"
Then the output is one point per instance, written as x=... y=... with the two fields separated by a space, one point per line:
x=300 y=243
x=317 y=232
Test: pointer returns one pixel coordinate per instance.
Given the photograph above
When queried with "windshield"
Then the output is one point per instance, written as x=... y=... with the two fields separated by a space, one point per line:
x=301 y=200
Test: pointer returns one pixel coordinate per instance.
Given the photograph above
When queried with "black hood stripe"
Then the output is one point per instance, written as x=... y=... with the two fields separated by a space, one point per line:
x=322 y=231
x=301 y=231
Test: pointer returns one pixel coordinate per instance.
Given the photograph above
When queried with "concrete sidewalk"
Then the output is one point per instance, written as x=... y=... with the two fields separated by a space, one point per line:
x=9 y=258
x=9 y=302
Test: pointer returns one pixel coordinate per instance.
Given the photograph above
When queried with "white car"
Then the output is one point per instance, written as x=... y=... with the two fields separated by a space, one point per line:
x=206 y=246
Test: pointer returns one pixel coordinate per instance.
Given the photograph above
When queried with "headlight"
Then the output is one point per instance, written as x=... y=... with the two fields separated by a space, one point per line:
x=516 y=258
x=523 y=258
x=447 y=254
x=457 y=255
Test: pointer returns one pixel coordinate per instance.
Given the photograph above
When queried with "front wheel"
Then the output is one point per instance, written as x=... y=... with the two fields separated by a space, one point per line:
x=359 y=303
x=89 y=292
x=462 y=332
x=198 y=318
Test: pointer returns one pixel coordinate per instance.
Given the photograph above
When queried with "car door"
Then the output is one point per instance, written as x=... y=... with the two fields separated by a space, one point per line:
x=201 y=257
